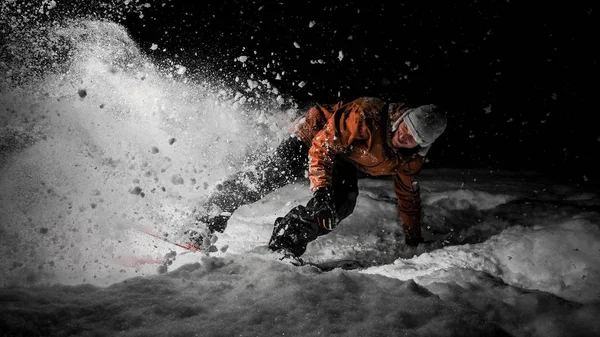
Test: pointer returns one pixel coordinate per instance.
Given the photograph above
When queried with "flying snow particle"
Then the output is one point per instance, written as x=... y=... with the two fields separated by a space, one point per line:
x=266 y=83
x=311 y=24
x=341 y=55
x=301 y=84
x=180 y=69
x=176 y=179
x=242 y=59
x=296 y=45
x=154 y=46
x=252 y=84
x=136 y=190
x=82 y=93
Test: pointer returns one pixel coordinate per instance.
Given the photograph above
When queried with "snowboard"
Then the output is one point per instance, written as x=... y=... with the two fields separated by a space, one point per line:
x=325 y=266
x=179 y=248
x=185 y=245
x=345 y=264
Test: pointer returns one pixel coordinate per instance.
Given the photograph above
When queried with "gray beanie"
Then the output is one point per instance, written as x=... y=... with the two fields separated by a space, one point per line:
x=426 y=123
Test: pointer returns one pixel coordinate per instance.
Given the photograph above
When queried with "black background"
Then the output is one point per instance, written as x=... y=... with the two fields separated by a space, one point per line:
x=517 y=78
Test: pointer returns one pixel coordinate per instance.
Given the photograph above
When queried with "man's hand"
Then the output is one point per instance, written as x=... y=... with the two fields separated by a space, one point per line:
x=322 y=207
x=302 y=225
x=294 y=231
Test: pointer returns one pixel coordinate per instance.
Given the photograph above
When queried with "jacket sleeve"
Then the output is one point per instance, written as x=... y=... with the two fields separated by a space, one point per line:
x=406 y=186
x=345 y=126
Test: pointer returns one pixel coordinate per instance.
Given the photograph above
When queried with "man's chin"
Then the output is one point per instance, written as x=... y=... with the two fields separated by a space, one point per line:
x=403 y=146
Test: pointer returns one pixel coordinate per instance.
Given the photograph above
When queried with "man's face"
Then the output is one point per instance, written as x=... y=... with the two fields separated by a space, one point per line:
x=403 y=138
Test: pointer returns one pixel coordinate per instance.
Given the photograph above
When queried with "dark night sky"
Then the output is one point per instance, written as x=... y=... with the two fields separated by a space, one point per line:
x=517 y=80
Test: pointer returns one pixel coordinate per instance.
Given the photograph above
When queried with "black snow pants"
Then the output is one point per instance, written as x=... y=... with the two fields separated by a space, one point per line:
x=286 y=165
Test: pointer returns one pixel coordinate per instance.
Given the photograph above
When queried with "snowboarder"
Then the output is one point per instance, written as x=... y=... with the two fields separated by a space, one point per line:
x=333 y=143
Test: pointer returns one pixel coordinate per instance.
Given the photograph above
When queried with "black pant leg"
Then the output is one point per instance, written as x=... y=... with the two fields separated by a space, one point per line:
x=345 y=188
x=286 y=165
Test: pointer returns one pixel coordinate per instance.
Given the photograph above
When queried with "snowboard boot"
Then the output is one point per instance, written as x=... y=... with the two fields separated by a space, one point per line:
x=202 y=232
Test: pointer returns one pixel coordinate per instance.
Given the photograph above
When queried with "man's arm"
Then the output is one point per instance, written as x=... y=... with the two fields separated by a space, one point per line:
x=345 y=126
x=406 y=186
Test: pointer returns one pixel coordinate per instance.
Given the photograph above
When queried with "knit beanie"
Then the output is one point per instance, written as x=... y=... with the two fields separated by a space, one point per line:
x=426 y=123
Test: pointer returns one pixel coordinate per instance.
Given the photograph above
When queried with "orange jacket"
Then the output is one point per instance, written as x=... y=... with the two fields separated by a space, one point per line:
x=360 y=132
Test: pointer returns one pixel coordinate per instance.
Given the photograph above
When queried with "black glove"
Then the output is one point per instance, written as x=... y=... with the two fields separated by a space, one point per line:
x=294 y=231
x=322 y=207
x=302 y=225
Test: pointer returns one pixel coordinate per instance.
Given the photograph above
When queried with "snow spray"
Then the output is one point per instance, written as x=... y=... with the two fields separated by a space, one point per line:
x=97 y=140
